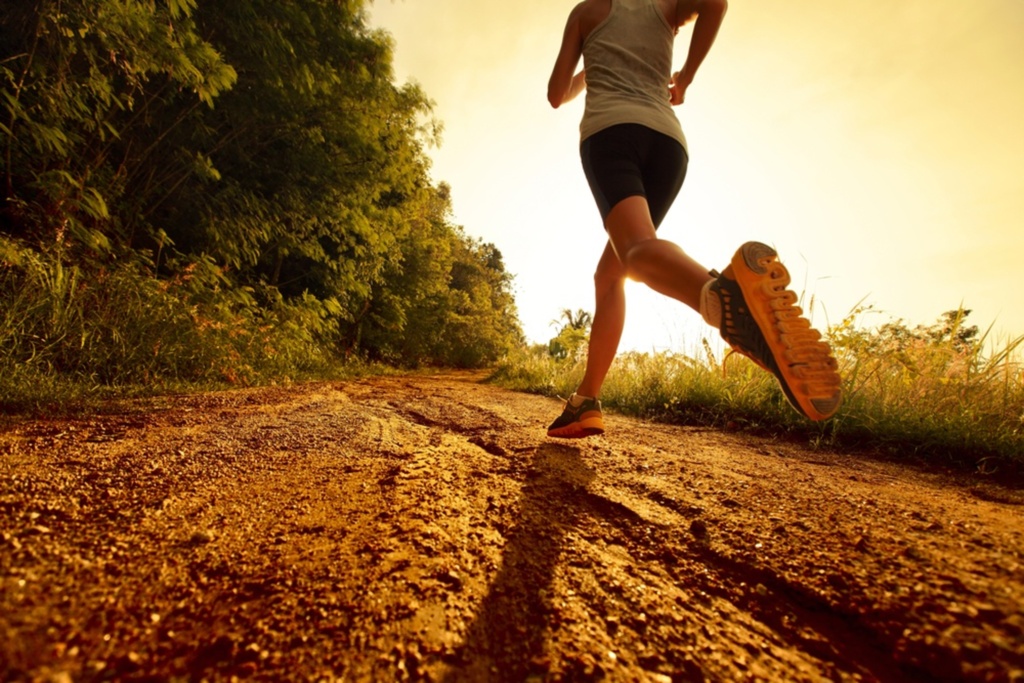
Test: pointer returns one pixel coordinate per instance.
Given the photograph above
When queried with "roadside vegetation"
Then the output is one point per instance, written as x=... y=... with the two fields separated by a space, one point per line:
x=223 y=193
x=944 y=393
x=201 y=195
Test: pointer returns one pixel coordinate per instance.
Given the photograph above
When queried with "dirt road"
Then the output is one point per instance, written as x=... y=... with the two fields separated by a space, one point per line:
x=424 y=528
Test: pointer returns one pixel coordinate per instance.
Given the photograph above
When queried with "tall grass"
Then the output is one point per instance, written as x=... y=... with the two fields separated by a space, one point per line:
x=941 y=393
x=74 y=331
x=938 y=390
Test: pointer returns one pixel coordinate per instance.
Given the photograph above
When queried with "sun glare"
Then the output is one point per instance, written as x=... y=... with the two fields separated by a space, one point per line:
x=841 y=147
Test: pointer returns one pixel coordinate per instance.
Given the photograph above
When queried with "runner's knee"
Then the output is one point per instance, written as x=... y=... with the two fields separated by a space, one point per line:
x=609 y=276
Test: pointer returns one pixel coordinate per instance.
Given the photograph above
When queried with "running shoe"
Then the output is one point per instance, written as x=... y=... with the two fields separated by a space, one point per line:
x=578 y=421
x=760 y=320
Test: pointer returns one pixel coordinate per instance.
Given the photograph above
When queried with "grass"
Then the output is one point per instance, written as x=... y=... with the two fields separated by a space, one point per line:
x=943 y=394
x=75 y=333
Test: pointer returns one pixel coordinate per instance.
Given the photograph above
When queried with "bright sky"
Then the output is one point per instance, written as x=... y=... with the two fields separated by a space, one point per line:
x=881 y=152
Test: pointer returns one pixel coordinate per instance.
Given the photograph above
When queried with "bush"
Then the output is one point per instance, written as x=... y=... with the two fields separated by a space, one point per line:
x=94 y=326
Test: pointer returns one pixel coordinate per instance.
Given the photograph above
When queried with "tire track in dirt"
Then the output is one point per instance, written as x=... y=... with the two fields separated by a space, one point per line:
x=423 y=528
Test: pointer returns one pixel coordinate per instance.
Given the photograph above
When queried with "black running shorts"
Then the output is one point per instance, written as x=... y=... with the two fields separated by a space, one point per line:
x=629 y=159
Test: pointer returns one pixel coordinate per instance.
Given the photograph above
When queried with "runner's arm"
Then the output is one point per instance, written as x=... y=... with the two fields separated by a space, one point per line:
x=709 y=18
x=563 y=86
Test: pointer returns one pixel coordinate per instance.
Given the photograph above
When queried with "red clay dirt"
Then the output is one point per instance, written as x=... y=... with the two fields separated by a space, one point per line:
x=425 y=528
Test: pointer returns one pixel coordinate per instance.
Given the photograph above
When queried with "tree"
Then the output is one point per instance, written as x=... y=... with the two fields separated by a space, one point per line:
x=580 y=320
x=258 y=150
x=79 y=78
x=573 y=335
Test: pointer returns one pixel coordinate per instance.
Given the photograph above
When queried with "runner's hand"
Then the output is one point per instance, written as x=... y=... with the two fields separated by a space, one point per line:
x=677 y=89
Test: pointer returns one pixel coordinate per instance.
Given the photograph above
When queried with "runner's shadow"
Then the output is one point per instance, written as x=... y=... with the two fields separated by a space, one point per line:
x=509 y=631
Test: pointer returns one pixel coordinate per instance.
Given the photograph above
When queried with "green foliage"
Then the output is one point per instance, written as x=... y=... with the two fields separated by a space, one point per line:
x=98 y=327
x=936 y=388
x=227 y=188
x=942 y=392
x=572 y=338
x=78 y=80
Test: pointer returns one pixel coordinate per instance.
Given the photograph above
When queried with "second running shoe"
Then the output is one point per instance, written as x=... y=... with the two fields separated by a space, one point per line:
x=578 y=421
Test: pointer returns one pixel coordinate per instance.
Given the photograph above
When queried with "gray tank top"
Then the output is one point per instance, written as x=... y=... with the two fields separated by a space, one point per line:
x=628 y=58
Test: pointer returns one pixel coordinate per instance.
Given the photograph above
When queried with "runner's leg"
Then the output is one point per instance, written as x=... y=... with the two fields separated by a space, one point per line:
x=661 y=265
x=609 y=319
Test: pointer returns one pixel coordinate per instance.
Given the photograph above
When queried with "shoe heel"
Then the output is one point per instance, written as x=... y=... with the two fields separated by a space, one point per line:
x=755 y=254
x=826 y=407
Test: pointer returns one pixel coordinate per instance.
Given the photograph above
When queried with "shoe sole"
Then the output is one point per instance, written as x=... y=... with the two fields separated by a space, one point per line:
x=591 y=426
x=750 y=264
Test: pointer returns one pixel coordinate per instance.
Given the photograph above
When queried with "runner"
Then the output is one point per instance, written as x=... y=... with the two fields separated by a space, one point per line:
x=635 y=157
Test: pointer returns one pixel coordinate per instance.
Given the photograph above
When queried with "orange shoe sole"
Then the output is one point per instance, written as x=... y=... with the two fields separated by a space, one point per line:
x=587 y=426
x=809 y=372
